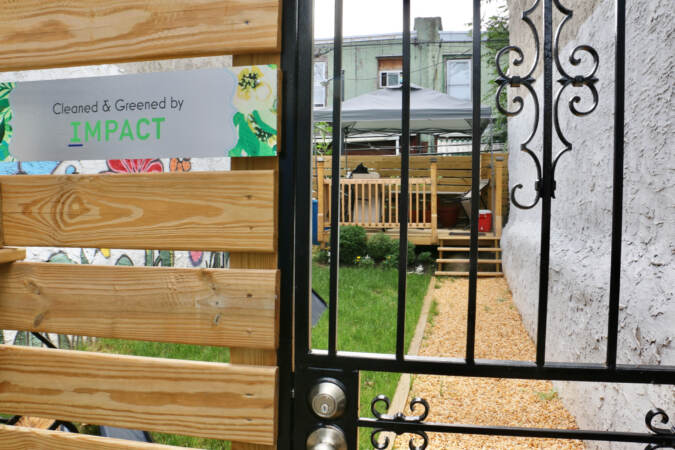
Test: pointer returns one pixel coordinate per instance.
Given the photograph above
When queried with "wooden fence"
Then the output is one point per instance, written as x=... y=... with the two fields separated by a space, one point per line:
x=231 y=211
x=430 y=176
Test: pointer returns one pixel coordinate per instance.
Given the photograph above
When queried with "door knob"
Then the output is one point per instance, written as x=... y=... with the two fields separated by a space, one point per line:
x=327 y=438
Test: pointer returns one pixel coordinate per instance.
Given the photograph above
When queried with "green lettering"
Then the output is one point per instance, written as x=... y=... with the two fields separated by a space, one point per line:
x=76 y=127
x=126 y=131
x=110 y=127
x=94 y=132
x=141 y=136
x=158 y=121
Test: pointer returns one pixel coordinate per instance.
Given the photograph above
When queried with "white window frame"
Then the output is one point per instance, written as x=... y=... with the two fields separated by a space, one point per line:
x=448 y=83
x=319 y=79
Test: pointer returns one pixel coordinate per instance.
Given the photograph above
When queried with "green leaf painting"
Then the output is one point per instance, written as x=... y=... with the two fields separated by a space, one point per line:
x=5 y=119
x=256 y=117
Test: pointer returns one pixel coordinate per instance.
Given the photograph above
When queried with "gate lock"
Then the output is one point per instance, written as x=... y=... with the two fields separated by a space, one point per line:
x=328 y=399
x=328 y=437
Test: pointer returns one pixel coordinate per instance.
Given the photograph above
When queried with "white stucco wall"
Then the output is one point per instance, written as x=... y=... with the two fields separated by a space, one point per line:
x=581 y=215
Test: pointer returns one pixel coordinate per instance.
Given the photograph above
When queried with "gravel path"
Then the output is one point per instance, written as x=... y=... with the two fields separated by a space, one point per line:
x=500 y=334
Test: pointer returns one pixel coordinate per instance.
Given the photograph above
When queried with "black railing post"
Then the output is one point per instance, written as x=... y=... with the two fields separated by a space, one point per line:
x=405 y=186
x=335 y=183
x=475 y=180
x=617 y=200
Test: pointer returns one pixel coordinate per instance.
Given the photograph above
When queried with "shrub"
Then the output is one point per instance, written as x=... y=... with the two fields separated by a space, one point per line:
x=425 y=258
x=392 y=258
x=322 y=256
x=379 y=246
x=365 y=262
x=353 y=243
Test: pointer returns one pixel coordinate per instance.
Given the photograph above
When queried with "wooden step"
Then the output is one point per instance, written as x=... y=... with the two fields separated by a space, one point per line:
x=480 y=261
x=466 y=249
x=467 y=236
x=466 y=274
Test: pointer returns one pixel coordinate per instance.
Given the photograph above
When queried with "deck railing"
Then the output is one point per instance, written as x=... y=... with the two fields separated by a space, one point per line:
x=374 y=202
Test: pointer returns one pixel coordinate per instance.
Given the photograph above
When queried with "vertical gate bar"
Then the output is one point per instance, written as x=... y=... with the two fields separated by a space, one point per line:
x=475 y=179
x=405 y=186
x=617 y=201
x=303 y=182
x=547 y=188
x=335 y=191
x=286 y=240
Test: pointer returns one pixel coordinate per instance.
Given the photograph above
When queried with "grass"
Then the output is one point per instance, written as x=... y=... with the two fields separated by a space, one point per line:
x=367 y=321
x=172 y=351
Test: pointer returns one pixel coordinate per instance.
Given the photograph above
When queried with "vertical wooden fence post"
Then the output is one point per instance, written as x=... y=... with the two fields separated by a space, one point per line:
x=499 y=170
x=434 y=200
x=255 y=260
x=320 y=219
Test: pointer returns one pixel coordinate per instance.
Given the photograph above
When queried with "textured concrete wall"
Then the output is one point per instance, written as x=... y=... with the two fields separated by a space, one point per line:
x=581 y=213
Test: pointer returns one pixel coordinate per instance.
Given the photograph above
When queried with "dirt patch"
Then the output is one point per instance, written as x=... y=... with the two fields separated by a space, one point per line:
x=500 y=334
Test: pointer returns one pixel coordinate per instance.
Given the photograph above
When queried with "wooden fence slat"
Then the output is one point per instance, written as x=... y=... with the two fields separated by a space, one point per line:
x=31 y=438
x=219 y=401
x=234 y=308
x=11 y=254
x=219 y=211
x=40 y=34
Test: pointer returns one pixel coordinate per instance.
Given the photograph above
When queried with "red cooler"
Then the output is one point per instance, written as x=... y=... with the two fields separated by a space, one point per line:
x=484 y=220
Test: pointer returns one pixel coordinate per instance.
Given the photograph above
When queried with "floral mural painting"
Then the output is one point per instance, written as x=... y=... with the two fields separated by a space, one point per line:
x=256 y=118
x=135 y=165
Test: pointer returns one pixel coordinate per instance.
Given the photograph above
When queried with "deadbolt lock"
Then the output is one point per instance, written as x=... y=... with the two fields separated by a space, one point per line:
x=328 y=399
x=327 y=438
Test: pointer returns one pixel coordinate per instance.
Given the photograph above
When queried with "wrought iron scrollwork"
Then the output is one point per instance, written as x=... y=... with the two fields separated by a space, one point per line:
x=525 y=81
x=399 y=417
x=659 y=415
x=577 y=81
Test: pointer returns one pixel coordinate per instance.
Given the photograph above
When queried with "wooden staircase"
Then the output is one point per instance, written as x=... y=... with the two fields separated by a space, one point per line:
x=453 y=256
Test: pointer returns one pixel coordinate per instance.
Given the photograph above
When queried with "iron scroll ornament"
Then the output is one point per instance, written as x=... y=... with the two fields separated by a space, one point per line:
x=399 y=417
x=659 y=415
x=587 y=80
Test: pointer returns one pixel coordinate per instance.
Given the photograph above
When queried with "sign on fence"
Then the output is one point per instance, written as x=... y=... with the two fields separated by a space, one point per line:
x=192 y=113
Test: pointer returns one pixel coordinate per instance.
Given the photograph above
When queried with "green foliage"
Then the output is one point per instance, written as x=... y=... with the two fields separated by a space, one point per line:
x=380 y=246
x=547 y=396
x=365 y=262
x=353 y=243
x=425 y=258
x=322 y=256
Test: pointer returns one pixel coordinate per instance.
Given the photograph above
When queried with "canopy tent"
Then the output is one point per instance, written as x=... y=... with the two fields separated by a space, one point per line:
x=431 y=112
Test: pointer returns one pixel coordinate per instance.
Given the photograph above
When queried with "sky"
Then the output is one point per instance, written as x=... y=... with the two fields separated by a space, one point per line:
x=385 y=16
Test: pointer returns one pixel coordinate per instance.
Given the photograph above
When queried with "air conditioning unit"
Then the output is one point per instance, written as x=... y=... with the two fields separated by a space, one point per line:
x=391 y=78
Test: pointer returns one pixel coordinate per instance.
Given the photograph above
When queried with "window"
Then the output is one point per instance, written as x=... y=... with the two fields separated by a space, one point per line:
x=319 y=84
x=391 y=78
x=458 y=78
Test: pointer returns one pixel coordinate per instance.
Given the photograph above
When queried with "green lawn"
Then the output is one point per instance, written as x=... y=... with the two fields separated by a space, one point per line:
x=367 y=321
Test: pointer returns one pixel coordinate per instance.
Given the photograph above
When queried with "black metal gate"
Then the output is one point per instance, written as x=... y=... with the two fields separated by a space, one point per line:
x=313 y=412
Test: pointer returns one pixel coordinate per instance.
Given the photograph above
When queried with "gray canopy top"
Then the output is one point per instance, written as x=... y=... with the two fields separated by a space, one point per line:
x=430 y=112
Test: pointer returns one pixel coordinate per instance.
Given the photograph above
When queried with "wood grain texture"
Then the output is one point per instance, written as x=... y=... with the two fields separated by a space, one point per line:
x=38 y=33
x=254 y=261
x=190 y=306
x=20 y=438
x=220 y=401
x=219 y=211
x=8 y=255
